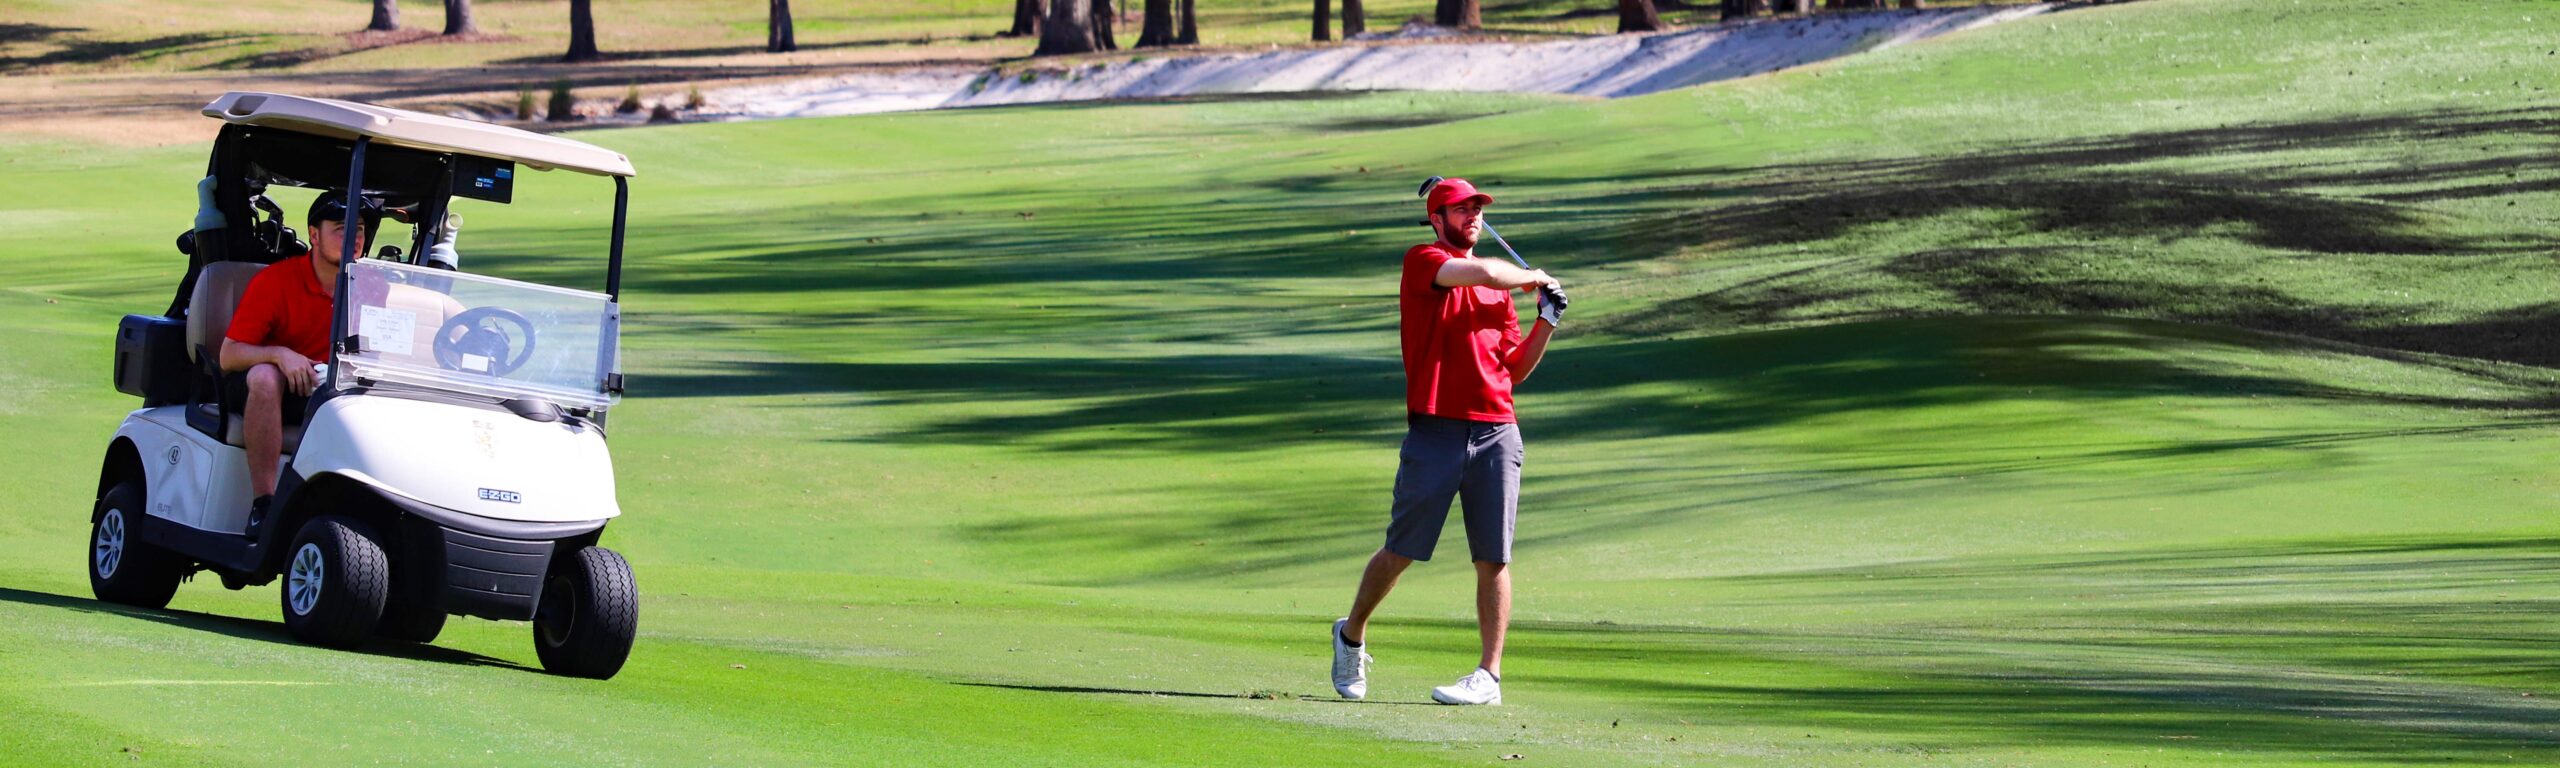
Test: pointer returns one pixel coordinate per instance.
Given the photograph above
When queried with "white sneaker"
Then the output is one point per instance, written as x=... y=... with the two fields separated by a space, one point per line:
x=1350 y=666
x=1477 y=687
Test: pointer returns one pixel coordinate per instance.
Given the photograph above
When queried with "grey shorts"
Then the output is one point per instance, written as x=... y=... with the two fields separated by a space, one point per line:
x=1475 y=462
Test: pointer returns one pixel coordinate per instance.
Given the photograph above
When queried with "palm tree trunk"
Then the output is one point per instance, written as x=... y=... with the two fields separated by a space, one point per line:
x=1026 y=18
x=457 y=18
x=1157 y=32
x=1638 y=16
x=777 y=28
x=1190 y=34
x=1068 y=29
x=1324 y=21
x=1460 y=14
x=386 y=16
x=1103 y=14
x=1355 y=20
x=582 y=32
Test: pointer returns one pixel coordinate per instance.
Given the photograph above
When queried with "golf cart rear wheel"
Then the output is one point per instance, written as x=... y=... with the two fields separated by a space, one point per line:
x=335 y=582
x=122 y=567
x=590 y=611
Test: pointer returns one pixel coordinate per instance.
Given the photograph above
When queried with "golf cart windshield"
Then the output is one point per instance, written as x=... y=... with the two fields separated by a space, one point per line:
x=479 y=335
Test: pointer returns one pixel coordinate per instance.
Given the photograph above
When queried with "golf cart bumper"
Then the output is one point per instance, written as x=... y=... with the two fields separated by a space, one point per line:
x=493 y=569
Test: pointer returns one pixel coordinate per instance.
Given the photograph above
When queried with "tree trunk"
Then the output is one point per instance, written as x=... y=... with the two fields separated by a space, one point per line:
x=582 y=32
x=1914 y=4
x=1797 y=7
x=1355 y=20
x=1324 y=21
x=1068 y=29
x=777 y=28
x=1638 y=16
x=1026 y=18
x=1190 y=34
x=1157 y=32
x=1459 y=14
x=1103 y=14
x=457 y=18
x=386 y=16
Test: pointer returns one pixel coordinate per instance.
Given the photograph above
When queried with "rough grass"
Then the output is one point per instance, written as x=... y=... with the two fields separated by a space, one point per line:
x=2123 y=387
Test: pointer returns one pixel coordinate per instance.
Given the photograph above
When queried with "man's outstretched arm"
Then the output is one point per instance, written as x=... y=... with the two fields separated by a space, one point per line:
x=1491 y=274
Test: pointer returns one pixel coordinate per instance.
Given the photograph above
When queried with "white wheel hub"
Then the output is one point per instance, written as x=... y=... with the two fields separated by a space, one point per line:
x=303 y=580
x=106 y=547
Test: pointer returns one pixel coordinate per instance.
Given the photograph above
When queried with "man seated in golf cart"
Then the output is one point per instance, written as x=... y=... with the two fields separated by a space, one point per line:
x=279 y=332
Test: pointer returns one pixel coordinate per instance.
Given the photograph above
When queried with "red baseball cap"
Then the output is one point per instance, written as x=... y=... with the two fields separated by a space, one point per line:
x=1452 y=192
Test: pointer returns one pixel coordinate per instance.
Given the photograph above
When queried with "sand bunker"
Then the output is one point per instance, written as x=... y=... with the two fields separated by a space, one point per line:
x=1611 y=66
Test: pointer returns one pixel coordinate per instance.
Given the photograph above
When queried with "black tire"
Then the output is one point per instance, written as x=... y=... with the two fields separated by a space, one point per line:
x=122 y=567
x=589 y=614
x=336 y=580
x=413 y=614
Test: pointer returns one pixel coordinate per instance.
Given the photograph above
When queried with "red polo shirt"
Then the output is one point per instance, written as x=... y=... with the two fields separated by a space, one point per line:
x=285 y=306
x=1455 y=340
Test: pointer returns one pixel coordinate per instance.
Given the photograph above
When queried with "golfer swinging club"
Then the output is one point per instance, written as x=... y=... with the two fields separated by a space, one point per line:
x=1463 y=351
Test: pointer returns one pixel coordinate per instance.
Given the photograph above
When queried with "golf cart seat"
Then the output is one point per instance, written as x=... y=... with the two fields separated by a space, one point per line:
x=217 y=296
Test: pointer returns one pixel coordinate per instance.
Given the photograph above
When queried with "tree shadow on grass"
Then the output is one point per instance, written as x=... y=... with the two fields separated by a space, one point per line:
x=744 y=49
x=1626 y=390
x=247 y=629
x=2093 y=225
x=12 y=33
x=2376 y=648
x=1252 y=696
x=78 y=52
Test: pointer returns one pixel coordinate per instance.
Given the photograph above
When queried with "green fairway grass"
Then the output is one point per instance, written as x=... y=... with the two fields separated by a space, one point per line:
x=2162 y=383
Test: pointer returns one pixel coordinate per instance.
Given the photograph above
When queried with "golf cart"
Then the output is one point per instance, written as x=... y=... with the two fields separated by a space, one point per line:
x=451 y=459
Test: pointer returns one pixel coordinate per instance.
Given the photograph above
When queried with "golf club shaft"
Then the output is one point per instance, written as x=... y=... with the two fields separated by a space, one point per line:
x=1506 y=244
x=1425 y=193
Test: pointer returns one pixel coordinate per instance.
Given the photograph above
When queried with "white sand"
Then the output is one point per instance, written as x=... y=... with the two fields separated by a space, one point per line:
x=1414 y=59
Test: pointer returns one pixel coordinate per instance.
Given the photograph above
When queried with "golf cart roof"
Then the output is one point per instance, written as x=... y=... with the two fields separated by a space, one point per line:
x=416 y=130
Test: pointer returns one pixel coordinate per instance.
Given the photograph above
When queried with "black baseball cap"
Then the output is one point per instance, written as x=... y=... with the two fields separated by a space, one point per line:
x=332 y=206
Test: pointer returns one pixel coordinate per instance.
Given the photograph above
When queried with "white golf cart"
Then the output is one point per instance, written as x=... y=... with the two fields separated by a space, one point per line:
x=452 y=459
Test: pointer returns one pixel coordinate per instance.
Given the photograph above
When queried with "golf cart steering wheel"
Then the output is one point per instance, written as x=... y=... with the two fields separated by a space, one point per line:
x=478 y=331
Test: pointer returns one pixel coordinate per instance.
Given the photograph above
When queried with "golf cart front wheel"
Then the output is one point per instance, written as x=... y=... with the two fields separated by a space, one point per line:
x=336 y=580
x=412 y=613
x=590 y=611
x=122 y=567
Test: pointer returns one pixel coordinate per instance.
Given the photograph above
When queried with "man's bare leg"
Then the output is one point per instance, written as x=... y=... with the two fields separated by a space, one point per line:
x=1493 y=611
x=262 y=427
x=1375 y=582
